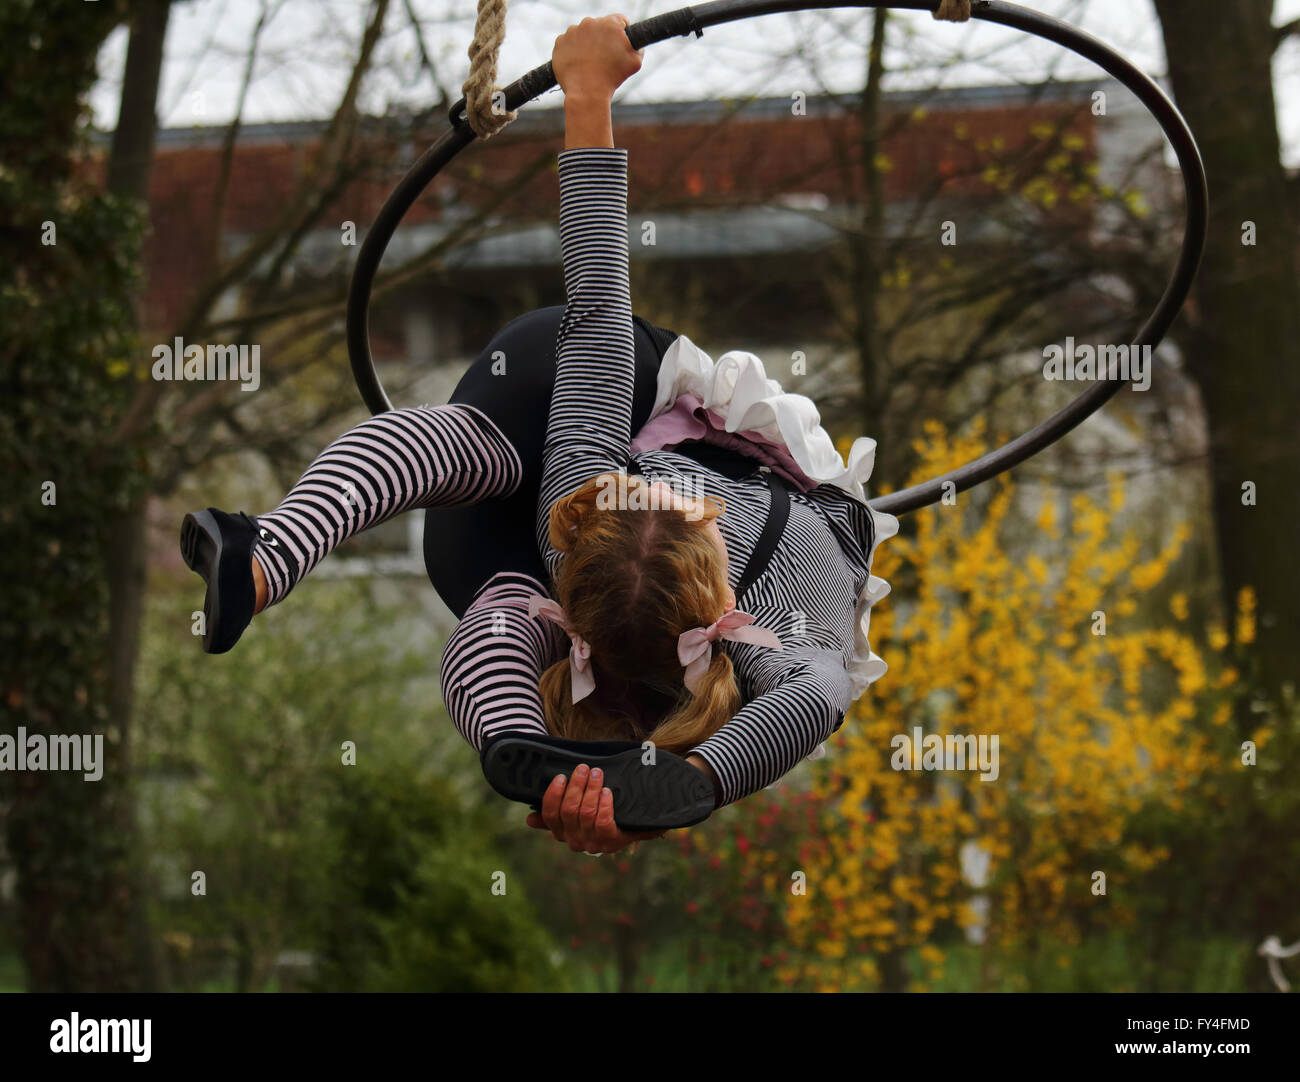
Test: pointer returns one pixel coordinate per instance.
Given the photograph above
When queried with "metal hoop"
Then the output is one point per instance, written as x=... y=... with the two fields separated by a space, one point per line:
x=689 y=20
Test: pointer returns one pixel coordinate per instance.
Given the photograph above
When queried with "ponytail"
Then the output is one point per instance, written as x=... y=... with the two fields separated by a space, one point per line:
x=631 y=582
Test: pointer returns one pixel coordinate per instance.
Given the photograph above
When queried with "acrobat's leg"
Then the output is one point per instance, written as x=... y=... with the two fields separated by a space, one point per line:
x=424 y=456
x=439 y=456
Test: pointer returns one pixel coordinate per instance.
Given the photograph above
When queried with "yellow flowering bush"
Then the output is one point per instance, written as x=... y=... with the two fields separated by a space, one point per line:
x=1020 y=626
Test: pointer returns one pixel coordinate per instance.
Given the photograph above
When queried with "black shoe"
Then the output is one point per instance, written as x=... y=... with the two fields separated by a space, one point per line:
x=220 y=548
x=670 y=794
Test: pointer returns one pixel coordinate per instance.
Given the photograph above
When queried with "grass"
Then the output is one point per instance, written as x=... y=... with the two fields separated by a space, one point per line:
x=1109 y=963
x=1106 y=964
x=12 y=978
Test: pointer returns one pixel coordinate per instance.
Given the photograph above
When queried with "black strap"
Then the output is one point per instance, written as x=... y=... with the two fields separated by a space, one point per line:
x=777 y=513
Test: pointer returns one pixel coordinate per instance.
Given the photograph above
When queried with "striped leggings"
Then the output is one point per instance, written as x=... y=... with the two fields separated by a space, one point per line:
x=421 y=457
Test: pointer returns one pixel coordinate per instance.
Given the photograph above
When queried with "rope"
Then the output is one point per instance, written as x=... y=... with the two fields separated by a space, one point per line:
x=953 y=11
x=480 y=87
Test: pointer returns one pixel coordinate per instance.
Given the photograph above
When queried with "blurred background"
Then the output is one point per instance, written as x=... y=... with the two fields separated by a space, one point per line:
x=898 y=216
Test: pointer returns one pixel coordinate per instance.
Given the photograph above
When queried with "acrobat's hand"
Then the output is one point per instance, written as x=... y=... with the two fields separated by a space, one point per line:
x=593 y=58
x=580 y=811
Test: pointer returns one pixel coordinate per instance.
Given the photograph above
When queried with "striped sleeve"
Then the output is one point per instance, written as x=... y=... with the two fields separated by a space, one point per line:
x=494 y=660
x=796 y=705
x=588 y=429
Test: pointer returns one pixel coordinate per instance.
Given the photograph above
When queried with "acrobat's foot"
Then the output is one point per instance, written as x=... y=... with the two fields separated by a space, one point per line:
x=662 y=795
x=219 y=547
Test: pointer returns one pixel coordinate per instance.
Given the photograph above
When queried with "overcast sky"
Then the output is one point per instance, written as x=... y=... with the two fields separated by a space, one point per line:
x=308 y=44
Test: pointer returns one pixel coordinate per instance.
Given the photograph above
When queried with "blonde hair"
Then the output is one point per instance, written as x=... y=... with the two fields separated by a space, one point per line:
x=633 y=578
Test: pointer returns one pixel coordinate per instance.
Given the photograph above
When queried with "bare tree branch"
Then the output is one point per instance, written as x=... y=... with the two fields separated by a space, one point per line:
x=330 y=157
x=231 y=137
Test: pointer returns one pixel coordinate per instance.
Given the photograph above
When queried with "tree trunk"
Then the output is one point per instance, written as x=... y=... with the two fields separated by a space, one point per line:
x=869 y=244
x=129 y=163
x=1245 y=352
x=69 y=821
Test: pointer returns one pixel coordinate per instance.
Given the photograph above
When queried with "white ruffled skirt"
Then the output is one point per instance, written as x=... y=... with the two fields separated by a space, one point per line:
x=737 y=388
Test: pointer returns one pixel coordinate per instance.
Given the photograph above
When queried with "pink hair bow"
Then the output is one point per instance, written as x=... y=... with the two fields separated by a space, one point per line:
x=580 y=674
x=695 y=647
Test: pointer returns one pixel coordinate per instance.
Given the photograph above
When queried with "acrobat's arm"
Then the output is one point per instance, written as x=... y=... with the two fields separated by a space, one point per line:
x=588 y=429
x=495 y=658
x=797 y=703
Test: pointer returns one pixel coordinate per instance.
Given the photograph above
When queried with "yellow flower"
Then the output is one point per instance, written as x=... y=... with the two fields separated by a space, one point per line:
x=1136 y=204
x=1047 y=518
x=1246 y=615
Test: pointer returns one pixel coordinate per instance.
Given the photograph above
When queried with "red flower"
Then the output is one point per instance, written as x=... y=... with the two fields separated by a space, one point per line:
x=692 y=907
x=742 y=843
x=624 y=918
x=715 y=862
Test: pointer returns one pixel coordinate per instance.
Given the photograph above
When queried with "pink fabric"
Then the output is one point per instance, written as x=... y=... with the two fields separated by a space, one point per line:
x=695 y=647
x=689 y=420
x=582 y=680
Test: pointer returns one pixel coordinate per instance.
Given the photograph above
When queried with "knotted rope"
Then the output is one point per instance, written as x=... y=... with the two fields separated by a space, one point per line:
x=953 y=11
x=480 y=88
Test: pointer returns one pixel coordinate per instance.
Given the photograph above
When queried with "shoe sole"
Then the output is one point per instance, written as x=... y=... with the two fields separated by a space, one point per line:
x=670 y=794
x=201 y=550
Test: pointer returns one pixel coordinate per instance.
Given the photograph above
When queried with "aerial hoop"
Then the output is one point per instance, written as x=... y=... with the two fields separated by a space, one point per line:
x=695 y=20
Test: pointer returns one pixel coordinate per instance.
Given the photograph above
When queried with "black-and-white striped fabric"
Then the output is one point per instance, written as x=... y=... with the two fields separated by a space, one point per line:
x=421 y=456
x=495 y=658
x=798 y=696
x=425 y=456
